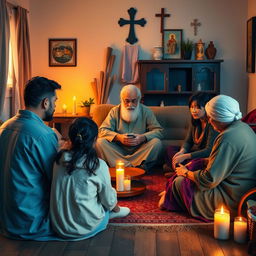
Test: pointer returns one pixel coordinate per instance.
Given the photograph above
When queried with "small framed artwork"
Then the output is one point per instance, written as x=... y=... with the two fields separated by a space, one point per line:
x=171 y=42
x=62 y=52
x=251 y=44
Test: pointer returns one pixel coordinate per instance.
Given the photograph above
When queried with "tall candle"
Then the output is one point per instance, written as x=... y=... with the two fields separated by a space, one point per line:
x=74 y=105
x=127 y=182
x=240 y=230
x=119 y=165
x=64 y=109
x=120 y=179
x=221 y=224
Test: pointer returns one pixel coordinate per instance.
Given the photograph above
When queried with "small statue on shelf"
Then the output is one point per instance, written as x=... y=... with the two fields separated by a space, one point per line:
x=199 y=50
x=210 y=51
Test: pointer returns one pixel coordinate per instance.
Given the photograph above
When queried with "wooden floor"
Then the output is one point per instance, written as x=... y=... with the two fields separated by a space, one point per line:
x=123 y=242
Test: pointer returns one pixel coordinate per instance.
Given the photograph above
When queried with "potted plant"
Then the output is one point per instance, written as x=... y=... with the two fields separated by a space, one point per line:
x=85 y=105
x=186 y=49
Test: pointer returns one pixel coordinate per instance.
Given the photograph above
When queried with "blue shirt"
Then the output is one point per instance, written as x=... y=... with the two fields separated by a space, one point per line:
x=27 y=151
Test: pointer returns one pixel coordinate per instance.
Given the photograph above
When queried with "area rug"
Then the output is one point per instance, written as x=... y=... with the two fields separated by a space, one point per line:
x=144 y=208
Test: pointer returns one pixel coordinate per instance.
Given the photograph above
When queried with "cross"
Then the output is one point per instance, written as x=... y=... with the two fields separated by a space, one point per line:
x=195 y=24
x=132 y=37
x=162 y=15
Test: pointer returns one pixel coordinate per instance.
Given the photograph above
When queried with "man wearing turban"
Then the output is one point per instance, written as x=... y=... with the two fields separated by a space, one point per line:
x=231 y=168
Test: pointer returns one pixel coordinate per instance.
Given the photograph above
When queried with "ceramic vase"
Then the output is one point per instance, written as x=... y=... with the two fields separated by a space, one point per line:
x=210 y=51
x=157 y=53
x=199 y=50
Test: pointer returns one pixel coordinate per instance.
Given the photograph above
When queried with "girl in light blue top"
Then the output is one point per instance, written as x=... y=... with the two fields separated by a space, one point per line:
x=82 y=198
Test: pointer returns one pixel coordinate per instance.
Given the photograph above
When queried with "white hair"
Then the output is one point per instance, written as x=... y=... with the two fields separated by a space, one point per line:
x=130 y=88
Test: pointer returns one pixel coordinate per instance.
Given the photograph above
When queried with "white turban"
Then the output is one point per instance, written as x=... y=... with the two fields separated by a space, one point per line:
x=223 y=108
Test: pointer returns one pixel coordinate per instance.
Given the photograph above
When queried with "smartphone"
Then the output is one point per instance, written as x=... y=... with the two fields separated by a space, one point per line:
x=130 y=135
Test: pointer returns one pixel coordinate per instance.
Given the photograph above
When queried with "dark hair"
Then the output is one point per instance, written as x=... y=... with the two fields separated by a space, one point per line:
x=82 y=132
x=201 y=98
x=38 y=88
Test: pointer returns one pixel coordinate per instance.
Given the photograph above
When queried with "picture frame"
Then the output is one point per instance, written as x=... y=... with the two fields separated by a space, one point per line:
x=251 y=44
x=62 y=52
x=171 y=43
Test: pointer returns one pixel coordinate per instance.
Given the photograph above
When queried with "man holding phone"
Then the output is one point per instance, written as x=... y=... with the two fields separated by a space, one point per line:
x=130 y=132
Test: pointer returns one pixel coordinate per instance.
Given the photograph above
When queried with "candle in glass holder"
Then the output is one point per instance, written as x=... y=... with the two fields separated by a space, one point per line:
x=119 y=165
x=240 y=230
x=127 y=182
x=74 y=105
x=120 y=179
x=64 y=108
x=221 y=223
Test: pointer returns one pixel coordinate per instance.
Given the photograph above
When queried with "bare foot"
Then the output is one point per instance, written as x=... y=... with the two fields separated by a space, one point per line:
x=161 y=201
x=161 y=193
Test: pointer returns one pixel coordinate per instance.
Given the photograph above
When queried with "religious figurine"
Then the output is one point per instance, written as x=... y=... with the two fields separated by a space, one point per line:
x=199 y=50
x=171 y=44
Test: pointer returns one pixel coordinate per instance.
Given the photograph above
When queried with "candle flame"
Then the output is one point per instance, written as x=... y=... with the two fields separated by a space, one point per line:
x=222 y=209
x=64 y=106
x=74 y=98
x=240 y=218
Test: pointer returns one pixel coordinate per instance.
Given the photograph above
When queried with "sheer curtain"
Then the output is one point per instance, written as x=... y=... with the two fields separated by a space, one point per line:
x=4 y=52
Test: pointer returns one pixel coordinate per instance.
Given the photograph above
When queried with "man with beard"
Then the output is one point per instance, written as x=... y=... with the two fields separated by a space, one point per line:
x=28 y=149
x=130 y=132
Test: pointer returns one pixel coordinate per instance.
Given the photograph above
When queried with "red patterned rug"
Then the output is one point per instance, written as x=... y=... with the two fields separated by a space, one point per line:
x=144 y=208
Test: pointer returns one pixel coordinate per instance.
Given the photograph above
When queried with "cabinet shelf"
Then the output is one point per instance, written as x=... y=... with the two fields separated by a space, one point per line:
x=162 y=80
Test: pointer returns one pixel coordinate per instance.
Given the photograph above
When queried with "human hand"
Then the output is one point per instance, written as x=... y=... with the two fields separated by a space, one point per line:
x=181 y=170
x=179 y=159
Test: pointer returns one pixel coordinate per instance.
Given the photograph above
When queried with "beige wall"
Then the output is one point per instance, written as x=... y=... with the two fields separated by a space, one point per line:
x=251 y=76
x=94 y=24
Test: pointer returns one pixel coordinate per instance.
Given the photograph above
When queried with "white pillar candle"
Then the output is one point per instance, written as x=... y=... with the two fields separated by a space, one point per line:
x=64 y=108
x=120 y=179
x=221 y=224
x=240 y=230
x=74 y=105
x=119 y=165
x=127 y=183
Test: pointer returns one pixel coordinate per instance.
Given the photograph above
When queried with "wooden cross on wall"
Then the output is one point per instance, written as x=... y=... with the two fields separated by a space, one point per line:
x=132 y=22
x=162 y=15
x=195 y=24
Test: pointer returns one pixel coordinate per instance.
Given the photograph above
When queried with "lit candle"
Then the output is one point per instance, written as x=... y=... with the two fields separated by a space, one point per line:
x=74 y=105
x=120 y=179
x=64 y=109
x=127 y=183
x=221 y=223
x=119 y=165
x=240 y=230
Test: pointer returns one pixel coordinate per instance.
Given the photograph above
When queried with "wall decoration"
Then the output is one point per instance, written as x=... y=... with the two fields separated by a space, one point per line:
x=62 y=52
x=172 y=39
x=251 y=44
x=132 y=39
x=162 y=15
x=195 y=24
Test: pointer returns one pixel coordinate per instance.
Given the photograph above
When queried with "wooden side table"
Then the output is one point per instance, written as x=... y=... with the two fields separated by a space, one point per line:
x=137 y=186
x=64 y=120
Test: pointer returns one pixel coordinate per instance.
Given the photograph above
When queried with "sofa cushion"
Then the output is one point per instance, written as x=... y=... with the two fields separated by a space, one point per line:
x=100 y=112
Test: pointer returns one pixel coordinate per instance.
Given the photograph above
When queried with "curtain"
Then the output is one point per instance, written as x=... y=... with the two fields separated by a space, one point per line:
x=23 y=50
x=4 y=51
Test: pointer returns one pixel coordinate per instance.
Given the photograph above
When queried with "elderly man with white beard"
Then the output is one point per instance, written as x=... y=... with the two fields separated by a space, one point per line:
x=130 y=133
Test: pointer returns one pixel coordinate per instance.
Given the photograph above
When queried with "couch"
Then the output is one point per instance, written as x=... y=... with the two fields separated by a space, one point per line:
x=174 y=119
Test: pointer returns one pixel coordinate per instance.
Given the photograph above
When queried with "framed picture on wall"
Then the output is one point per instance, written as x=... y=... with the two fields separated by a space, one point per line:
x=251 y=44
x=62 y=52
x=171 y=43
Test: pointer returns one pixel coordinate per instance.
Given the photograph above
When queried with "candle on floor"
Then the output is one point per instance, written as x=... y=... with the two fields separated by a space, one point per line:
x=74 y=105
x=221 y=223
x=119 y=165
x=240 y=229
x=120 y=179
x=127 y=182
x=64 y=108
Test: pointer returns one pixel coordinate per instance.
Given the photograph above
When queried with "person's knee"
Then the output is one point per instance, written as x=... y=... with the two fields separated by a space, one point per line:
x=157 y=143
x=101 y=142
x=177 y=183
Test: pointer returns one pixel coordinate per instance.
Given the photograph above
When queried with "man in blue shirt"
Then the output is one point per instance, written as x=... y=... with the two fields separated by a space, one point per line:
x=27 y=151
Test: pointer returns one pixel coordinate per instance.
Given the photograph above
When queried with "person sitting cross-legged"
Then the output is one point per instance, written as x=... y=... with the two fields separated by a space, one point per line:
x=130 y=133
x=82 y=198
x=230 y=171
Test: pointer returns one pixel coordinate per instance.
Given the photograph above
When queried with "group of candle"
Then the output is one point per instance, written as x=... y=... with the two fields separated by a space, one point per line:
x=64 y=107
x=123 y=182
x=222 y=226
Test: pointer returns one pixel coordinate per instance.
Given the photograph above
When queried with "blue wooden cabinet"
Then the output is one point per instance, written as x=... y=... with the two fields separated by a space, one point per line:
x=173 y=81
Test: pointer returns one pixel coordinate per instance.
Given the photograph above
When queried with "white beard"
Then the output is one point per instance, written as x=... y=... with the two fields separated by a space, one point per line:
x=130 y=115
